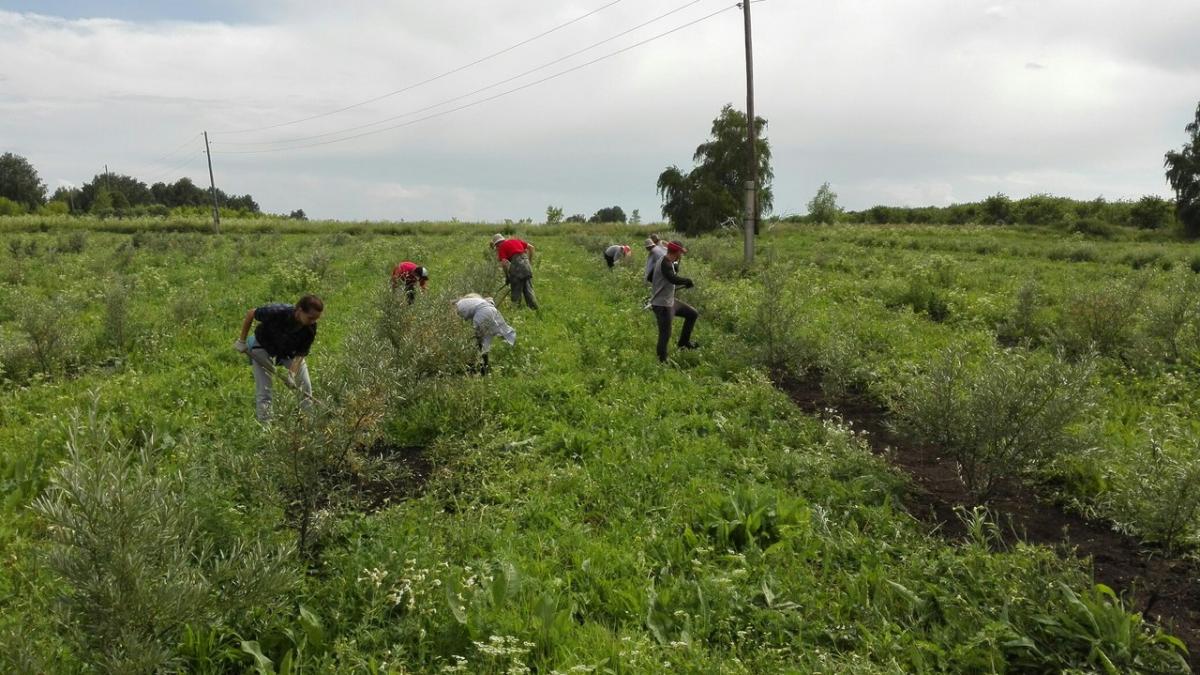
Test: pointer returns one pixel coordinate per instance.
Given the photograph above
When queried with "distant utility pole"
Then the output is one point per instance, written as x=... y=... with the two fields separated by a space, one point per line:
x=212 y=184
x=751 y=214
x=106 y=186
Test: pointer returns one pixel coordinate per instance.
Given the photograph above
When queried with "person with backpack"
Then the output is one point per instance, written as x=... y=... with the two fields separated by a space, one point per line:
x=411 y=275
x=283 y=337
x=613 y=254
x=488 y=323
x=666 y=307
x=516 y=259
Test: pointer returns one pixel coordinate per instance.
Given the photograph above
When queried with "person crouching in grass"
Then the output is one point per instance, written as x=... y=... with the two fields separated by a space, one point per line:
x=283 y=337
x=411 y=275
x=613 y=254
x=488 y=322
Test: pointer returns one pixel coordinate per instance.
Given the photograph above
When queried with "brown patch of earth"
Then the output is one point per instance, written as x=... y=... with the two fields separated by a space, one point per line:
x=1166 y=591
x=388 y=474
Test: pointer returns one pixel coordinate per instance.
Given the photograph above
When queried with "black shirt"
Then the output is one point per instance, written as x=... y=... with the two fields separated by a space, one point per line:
x=280 y=333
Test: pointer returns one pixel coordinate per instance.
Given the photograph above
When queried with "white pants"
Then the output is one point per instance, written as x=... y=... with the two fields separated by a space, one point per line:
x=263 y=382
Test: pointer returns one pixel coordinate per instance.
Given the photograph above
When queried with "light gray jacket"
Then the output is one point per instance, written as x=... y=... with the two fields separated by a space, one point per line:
x=664 y=281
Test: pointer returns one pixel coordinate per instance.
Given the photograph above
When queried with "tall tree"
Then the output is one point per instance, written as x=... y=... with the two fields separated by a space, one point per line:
x=713 y=190
x=1183 y=173
x=124 y=191
x=824 y=208
x=611 y=214
x=20 y=182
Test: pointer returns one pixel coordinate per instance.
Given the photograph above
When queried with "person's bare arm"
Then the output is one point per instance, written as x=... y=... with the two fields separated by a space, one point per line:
x=246 y=323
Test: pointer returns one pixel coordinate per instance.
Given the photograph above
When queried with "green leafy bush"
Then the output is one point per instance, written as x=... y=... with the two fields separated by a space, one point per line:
x=1003 y=414
x=135 y=564
x=1027 y=321
x=1170 y=472
x=1101 y=319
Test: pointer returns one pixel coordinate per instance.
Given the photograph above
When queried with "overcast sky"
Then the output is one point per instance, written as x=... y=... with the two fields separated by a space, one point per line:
x=907 y=102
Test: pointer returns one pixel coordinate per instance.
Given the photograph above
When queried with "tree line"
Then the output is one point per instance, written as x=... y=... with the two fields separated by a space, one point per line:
x=112 y=195
x=1095 y=216
x=710 y=195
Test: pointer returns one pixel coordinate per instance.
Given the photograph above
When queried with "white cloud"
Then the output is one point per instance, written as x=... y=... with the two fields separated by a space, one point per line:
x=894 y=100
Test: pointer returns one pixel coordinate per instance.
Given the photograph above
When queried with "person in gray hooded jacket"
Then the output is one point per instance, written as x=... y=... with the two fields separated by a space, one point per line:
x=665 y=306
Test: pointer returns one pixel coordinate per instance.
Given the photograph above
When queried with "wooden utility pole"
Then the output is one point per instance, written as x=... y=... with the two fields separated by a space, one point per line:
x=212 y=185
x=751 y=214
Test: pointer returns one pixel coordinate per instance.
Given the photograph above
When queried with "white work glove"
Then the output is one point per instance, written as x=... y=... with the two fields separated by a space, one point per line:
x=239 y=345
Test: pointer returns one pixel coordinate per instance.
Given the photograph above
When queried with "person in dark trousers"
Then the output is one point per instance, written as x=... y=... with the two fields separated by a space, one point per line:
x=613 y=254
x=411 y=275
x=516 y=259
x=283 y=337
x=664 y=304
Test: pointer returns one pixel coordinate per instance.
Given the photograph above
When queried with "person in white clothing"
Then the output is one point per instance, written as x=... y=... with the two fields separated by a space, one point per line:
x=488 y=322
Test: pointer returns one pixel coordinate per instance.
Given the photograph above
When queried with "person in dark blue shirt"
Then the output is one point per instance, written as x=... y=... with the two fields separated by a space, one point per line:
x=283 y=337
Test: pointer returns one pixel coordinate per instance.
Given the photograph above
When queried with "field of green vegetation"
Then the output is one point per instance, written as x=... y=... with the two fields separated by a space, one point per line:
x=583 y=508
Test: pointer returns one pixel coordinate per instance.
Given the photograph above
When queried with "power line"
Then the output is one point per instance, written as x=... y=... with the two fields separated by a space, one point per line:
x=435 y=78
x=489 y=98
x=181 y=146
x=188 y=162
x=493 y=85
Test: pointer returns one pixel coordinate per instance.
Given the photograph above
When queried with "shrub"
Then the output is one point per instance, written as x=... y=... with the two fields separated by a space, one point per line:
x=926 y=290
x=75 y=242
x=10 y=208
x=55 y=208
x=291 y=280
x=1169 y=314
x=311 y=452
x=1146 y=258
x=48 y=328
x=1042 y=210
x=1102 y=319
x=426 y=338
x=135 y=565
x=1152 y=213
x=1004 y=414
x=775 y=328
x=1092 y=226
x=997 y=210
x=1162 y=493
x=1025 y=322
x=117 y=331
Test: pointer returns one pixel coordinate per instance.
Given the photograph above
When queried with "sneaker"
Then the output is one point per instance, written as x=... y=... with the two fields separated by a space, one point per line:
x=689 y=345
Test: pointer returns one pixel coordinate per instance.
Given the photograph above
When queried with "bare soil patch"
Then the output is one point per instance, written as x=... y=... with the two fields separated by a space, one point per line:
x=1166 y=591
x=388 y=474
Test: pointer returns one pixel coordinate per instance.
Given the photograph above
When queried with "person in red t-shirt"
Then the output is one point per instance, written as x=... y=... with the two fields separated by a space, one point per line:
x=412 y=275
x=516 y=258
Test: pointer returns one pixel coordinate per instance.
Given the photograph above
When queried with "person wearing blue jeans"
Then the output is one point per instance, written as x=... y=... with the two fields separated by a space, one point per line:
x=283 y=337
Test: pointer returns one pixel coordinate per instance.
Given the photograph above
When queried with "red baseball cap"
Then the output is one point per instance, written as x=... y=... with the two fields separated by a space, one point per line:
x=675 y=247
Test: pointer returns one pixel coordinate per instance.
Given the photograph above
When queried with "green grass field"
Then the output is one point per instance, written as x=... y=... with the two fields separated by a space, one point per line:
x=583 y=508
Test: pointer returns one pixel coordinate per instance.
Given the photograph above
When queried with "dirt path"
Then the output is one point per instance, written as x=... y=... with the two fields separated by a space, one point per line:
x=1165 y=591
